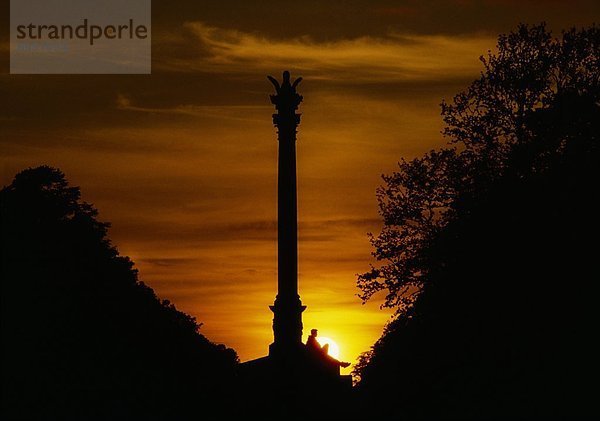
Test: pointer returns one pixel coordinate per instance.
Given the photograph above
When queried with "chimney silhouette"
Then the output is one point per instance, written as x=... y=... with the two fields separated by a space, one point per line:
x=287 y=309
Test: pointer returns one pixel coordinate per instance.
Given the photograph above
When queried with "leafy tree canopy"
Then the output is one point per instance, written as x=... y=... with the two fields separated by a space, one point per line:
x=486 y=250
x=494 y=129
x=82 y=337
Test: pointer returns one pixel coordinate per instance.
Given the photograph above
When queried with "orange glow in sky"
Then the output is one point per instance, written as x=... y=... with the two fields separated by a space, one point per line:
x=183 y=162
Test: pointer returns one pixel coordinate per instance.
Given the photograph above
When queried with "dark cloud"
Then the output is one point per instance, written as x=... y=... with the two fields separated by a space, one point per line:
x=353 y=18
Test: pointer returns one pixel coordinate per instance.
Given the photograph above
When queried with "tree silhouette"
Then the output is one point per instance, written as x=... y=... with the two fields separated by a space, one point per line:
x=82 y=337
x=491 y=124
x=491 y=241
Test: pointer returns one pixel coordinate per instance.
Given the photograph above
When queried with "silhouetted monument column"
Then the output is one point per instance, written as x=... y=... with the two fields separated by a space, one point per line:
x=287 y=309
x=293 y=373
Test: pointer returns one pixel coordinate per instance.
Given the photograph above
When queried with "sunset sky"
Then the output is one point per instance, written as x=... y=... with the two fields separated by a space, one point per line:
x=182 y=162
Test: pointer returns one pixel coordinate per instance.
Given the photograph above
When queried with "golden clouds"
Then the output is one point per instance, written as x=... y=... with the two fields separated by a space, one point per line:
x=362 y=59
x=183 y=161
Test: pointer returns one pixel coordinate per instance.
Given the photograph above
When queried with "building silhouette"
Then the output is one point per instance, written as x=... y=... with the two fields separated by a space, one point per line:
x=293 y=374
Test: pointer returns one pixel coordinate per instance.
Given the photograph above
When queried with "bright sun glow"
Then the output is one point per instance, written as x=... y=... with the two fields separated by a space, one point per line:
x=334 y=349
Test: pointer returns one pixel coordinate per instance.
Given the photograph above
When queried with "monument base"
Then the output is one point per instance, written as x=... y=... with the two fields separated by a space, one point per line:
x=293 y=377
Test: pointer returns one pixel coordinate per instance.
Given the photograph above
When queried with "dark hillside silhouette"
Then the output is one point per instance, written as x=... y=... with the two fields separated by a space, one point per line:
x=505 y=325
x=82 y=338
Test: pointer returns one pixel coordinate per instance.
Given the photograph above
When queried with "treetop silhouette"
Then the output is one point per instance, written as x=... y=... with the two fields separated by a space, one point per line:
x=486 y=247
x=490 y=125
x=82 y=336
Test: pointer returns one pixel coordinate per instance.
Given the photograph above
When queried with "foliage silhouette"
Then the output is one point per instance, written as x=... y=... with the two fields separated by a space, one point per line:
x=487 y=246
x=82 y=337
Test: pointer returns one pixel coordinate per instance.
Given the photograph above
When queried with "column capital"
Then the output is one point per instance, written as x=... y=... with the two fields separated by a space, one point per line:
x=286 y=101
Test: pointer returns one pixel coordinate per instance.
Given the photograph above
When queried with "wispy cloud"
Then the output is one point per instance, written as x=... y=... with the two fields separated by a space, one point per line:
x=234 y=112
x=394 y=57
